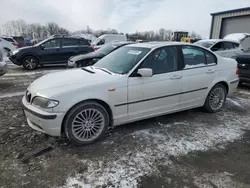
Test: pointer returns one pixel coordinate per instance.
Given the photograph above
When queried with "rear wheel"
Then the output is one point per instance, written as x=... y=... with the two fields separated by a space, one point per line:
x=216 y=98
x=30 y=63
x=86 y=123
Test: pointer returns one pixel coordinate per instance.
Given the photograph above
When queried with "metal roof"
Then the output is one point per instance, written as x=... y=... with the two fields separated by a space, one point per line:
x=230 y=11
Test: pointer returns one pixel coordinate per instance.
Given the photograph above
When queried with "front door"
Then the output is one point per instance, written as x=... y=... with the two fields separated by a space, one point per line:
x=198 y=73
x=159 y=94
x=51 y=52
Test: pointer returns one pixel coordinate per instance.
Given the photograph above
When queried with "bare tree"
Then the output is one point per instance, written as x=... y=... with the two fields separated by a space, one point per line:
x=52 y=28
x=162 y=33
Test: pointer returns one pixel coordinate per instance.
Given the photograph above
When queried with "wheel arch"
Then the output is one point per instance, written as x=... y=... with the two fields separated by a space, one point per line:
x=28 y=54
x=101 y=102
x=224 y=84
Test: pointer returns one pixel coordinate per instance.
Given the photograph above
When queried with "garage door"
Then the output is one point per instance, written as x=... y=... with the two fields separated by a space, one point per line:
x=240 y=24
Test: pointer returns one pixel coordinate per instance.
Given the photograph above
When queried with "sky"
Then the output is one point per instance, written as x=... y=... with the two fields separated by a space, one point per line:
x=126 y=16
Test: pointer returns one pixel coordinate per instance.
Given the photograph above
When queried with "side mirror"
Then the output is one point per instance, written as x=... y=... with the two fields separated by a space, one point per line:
x=42 y=47
x=145 y=72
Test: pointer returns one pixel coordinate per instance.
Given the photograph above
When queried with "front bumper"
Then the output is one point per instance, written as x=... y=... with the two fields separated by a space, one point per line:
x=71 y=64
x=14 y=60
x=46 y=122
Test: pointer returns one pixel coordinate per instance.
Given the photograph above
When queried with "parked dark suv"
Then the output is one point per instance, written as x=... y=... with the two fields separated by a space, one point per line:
x=55 y=50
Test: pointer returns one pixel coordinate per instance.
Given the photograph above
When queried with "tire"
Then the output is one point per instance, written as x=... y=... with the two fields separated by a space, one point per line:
x=240 y=83
x=216 y=98
x=80 y=127
x=30 y=63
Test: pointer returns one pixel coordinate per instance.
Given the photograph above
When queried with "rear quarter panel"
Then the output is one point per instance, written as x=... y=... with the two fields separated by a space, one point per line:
x=226 y=72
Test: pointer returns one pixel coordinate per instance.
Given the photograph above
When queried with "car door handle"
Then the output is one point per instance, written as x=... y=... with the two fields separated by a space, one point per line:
x=176 y=77
x=210 y=71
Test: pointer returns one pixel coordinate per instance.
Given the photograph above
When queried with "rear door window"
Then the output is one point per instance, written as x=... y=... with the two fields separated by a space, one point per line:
x=211 y=58
x=70 y=42
x=193 y=57
x=84 y=42
x=227 y=45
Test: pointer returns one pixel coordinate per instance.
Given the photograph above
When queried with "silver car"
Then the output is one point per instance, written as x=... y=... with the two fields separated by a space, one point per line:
x=3 y=64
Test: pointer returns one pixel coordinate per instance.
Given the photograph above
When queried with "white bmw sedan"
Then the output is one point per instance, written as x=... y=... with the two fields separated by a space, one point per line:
x=135 y=82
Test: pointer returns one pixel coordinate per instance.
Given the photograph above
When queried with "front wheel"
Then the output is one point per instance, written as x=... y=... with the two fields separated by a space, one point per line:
x=30 y=63
x=216 y=98
x=86 y=123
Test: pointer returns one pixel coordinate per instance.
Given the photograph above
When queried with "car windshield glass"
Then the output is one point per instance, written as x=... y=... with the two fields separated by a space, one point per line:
x=205 y=44
x=122 y=60
x=8 y=39
x=107 y=48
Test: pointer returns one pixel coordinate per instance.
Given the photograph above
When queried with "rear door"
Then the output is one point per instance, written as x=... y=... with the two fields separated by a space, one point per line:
x=198 y=74
x=70 y=47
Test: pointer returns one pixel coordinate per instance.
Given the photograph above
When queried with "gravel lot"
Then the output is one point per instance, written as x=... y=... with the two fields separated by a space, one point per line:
x=186 y=149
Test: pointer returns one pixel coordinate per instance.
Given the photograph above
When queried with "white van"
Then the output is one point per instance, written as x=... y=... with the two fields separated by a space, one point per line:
x=107 y=38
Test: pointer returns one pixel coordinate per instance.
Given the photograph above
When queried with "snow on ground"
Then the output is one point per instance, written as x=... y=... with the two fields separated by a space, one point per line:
x=160 y=145
x=32 y=72
x=218 y=180
x=12 y=94
x=234 y=102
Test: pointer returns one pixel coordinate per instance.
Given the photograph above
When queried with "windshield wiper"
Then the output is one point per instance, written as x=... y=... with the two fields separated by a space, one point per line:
x=103 y=69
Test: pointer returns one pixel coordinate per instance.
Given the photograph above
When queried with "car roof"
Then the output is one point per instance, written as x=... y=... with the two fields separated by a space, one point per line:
x=218 y=40
x=158 y=44
x=2 y=36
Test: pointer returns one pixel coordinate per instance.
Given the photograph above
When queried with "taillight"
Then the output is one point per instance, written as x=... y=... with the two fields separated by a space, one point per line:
x=237 y=70
x=14 y=43
x=94 y=48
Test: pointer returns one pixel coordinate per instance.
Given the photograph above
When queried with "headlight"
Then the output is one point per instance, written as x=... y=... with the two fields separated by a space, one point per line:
x=44 y=102
x=14 y=52
x=95 y=59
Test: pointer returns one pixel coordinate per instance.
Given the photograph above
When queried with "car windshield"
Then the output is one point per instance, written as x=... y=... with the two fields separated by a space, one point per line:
x=43 y=41
x=107 y=48
x=122 y=60
x=206 y=44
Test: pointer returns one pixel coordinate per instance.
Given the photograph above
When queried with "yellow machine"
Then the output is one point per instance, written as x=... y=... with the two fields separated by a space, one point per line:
x=182 y=36
x=178 y=35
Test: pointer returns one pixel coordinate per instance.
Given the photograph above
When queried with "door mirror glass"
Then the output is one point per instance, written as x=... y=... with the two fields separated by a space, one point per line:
x=145 y=72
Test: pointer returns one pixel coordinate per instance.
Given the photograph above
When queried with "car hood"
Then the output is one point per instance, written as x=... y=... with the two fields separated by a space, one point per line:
x=90 y=55
x=240 y=37
x=65 y=81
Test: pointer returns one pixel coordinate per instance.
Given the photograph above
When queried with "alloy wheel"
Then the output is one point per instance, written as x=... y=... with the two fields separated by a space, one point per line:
x=88 y=124
x=30 y=63
x=217 y=98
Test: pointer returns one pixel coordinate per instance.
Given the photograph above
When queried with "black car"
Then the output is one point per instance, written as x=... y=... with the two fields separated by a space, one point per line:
x=243 y=60
x=55 y=50
x=91 y=58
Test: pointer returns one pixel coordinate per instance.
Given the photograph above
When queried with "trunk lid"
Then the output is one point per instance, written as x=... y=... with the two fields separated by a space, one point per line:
x=239 y=37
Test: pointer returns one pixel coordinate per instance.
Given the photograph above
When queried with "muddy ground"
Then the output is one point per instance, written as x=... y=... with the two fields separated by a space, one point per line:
x=186 y=149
